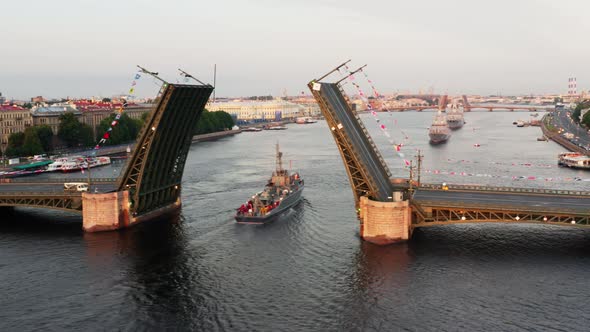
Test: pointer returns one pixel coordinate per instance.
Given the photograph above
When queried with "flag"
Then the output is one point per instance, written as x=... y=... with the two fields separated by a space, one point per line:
x=137 y=76
x=114 y=123
x=407 y=162
x=131 y=90
x=133 y=83
x=106 y=135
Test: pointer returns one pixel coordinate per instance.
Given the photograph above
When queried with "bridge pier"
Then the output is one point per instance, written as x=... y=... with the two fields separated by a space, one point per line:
x=385 y=222
x=105 y=212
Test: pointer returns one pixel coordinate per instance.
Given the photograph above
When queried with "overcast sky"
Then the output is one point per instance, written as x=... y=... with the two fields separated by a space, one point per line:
x=82 y=48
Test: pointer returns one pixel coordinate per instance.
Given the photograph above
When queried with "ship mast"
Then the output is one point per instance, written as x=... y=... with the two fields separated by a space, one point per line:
x=279 y=161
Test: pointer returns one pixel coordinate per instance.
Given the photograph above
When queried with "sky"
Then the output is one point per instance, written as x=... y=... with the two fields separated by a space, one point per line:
x=82 y=48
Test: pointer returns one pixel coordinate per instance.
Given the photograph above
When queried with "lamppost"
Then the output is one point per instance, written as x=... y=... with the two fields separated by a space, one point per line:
x=4 y=145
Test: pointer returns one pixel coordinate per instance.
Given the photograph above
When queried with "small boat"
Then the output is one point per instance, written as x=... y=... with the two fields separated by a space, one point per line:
x=542 y=138
x=520 y=123
x=282 y=191
x=251 y=129
x=276 y=127
x=305 y=120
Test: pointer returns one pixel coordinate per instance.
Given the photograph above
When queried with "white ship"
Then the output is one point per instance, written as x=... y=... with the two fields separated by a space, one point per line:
x=455 y=117
x=79 y=163
x=439 y=131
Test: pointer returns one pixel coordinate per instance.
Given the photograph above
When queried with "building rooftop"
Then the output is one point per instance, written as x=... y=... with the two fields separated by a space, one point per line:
x=8 y=107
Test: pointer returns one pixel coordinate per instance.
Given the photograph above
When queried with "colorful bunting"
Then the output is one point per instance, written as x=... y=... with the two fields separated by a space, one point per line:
x=119 y=112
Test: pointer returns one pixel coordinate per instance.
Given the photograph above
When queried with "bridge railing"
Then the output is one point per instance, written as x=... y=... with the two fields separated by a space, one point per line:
x=48 y=194
x=61 y=180
x=461 y=187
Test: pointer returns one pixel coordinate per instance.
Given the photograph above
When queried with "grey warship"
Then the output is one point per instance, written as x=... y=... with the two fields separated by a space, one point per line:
x=282 y=191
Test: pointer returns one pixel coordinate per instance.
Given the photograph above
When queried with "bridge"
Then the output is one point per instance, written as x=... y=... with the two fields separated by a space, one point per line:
x=390 y=209
x=468 y=107
x=150 y=183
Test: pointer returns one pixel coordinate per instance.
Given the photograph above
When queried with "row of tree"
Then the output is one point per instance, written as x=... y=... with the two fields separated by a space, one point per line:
x=72 y=133
x=578 y=111
x=211 y=122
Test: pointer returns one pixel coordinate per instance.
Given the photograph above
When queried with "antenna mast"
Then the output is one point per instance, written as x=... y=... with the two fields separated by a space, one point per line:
x=279 y=161
x=152 y=73
x=187 y=75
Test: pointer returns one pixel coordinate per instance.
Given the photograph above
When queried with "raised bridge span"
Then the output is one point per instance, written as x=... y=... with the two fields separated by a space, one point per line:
x=150 y=183
x=389 y=209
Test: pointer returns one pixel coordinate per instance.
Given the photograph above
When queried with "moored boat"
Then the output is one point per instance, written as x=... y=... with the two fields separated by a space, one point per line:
x=573 y=160
x=282 y=191
x=251 y=129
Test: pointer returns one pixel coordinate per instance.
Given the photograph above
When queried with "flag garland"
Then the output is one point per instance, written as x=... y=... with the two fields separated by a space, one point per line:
x=397 y=146
x=118 y=114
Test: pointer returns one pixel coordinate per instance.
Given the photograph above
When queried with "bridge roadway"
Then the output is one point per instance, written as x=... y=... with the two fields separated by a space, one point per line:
x=526 y=202
x=31 y=187
x=350 y=125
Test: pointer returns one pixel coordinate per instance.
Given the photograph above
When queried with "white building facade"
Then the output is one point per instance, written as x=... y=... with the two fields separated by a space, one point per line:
x=256 y=111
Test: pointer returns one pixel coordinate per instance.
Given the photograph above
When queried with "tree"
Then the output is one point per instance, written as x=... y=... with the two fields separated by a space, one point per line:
x=32 y=144
x=126 y=129
x=45 y=135
x=15 y=144
x=106 y=100
x=72 y=132
x=213 y=121
x=578 y=110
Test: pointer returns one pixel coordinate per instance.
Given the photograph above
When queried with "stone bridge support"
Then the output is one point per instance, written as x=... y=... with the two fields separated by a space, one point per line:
x=385 y=222
x=105 y=212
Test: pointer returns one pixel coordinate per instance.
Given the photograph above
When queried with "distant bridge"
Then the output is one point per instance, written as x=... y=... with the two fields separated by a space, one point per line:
x=150 y=183
x=389 y=209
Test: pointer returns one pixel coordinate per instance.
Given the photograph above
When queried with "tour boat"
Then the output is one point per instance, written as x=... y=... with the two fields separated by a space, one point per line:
x=60 y=162
x=282 y=191
x=573 y=160
x=83 y=163
x=439 y=131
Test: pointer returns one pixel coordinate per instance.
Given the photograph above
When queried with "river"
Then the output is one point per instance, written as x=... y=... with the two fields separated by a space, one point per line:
x=309 y=271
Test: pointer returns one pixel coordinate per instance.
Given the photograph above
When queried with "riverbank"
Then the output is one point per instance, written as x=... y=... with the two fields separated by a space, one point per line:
x=123 y=148
x=547 y=126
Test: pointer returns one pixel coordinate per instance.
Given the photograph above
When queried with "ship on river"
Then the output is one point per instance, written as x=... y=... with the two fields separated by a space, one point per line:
x=455 y=118
x=439 y=131
x=282 y=191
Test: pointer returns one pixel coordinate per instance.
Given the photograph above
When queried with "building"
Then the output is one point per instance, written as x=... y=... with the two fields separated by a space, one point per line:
x=259 y=111
x=86 y=111
x=13 y=119
x=49 y=115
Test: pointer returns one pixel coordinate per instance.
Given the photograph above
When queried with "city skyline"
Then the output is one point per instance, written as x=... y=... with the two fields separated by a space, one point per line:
x=91 y=48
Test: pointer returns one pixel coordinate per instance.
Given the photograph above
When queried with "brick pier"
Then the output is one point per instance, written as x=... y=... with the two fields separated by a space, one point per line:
x=385 y=222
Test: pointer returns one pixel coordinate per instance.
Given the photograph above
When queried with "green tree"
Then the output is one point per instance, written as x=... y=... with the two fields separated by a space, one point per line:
x=32 y=143
x=15 y=144
x=106 y=100
x=72 y=132
x=210 y=122
x=578 y=110
x=45 y=135
x=126 y=129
